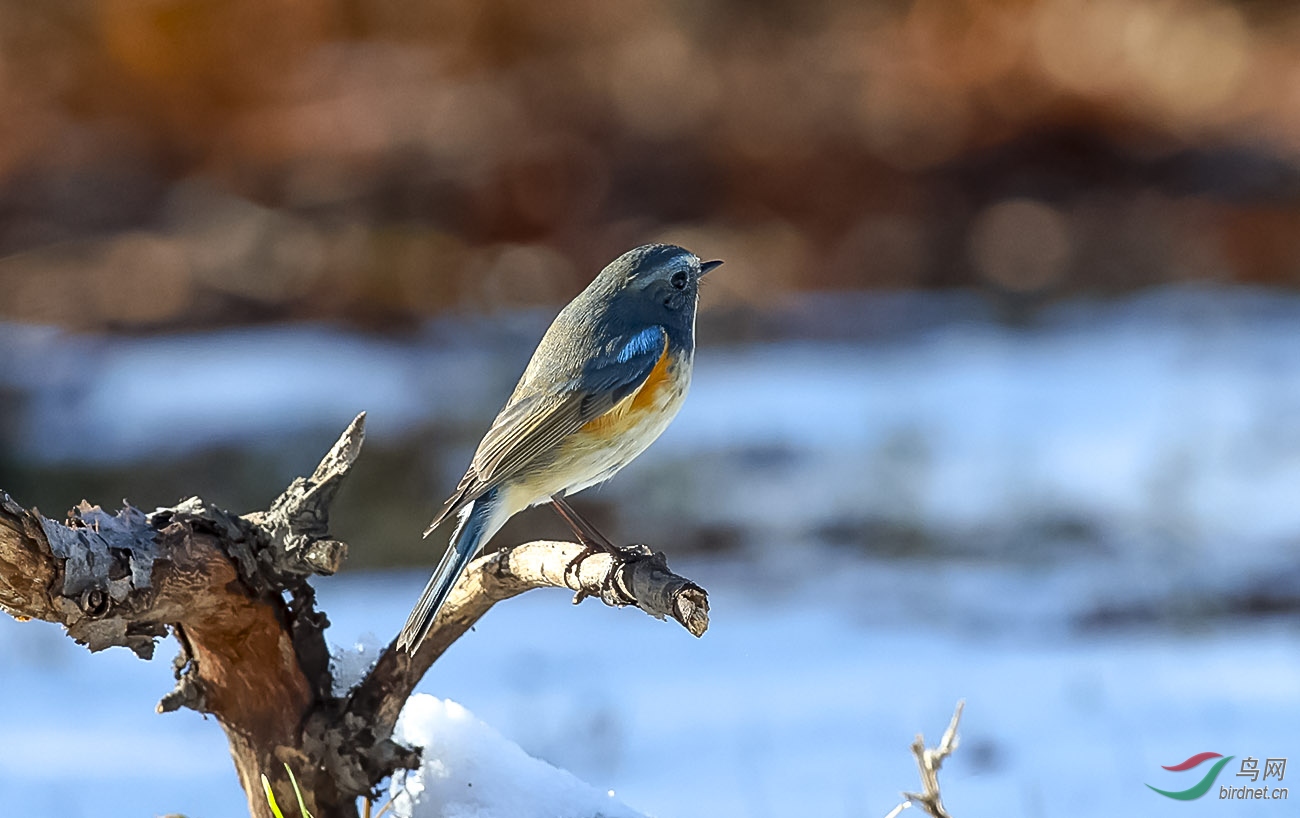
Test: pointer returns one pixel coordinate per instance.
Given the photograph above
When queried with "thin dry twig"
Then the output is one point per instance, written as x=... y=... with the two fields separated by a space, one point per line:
x=928 y=762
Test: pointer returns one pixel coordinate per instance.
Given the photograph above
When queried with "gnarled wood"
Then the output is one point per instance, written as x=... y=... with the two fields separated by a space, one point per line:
x=234 y=591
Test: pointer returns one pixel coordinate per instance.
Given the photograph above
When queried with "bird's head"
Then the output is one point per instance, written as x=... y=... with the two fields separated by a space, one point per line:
x=661 y=273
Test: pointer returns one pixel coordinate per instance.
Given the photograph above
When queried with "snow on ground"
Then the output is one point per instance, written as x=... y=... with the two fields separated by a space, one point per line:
x=797 y=704
x=471 y=771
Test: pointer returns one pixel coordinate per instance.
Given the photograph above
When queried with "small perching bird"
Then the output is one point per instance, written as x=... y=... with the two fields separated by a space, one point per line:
x=605 y=381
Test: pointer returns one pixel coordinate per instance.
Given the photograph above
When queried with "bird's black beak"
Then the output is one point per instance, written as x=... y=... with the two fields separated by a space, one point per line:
x=705 y=266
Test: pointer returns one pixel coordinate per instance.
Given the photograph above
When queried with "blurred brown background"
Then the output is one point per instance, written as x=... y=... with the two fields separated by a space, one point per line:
x=179 y=164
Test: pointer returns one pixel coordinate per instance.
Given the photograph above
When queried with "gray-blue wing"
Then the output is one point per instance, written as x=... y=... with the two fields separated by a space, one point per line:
x=534 y=424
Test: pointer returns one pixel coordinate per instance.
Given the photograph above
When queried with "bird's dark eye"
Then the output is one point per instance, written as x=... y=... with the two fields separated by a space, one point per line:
x=678 y=280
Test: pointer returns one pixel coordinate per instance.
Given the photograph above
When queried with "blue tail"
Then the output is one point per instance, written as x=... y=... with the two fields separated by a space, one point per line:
x=464 y=542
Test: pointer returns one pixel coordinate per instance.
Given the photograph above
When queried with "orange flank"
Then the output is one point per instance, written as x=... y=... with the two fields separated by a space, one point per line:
x=648 y=397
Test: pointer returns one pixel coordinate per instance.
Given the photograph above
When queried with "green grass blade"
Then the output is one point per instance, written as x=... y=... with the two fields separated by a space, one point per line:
x=270 y=797
x=302 y=808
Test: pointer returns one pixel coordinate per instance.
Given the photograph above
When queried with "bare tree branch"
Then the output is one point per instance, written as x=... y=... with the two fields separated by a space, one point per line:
x=637 y=577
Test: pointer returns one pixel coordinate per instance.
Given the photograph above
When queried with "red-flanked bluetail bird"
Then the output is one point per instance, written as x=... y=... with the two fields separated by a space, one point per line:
x=605 y=381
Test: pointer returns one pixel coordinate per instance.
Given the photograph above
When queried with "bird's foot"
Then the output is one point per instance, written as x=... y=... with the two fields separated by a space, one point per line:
x=610 y=591
x=573 y=570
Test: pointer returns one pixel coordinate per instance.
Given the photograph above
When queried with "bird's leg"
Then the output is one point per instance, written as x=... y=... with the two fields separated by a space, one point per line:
x=593 y=542
x=582 y=529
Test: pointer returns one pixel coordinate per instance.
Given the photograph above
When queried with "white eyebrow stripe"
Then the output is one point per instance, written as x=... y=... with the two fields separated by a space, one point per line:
x=647 y=340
